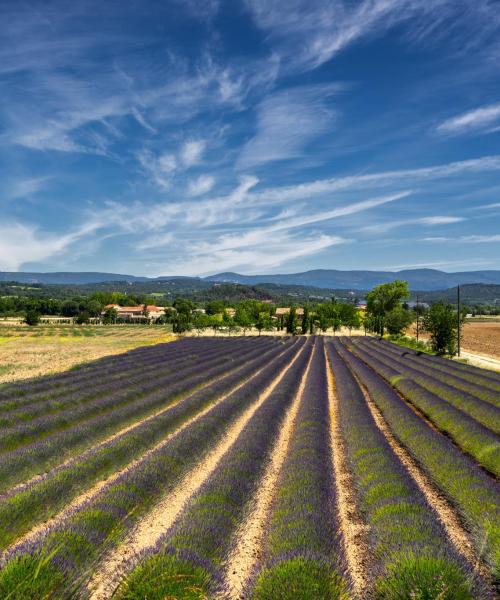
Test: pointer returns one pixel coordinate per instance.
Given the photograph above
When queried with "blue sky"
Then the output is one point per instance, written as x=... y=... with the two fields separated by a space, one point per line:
x=191 y=137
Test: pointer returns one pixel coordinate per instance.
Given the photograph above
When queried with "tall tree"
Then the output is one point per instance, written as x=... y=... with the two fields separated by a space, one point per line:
x=384 y=298
x=441 y=322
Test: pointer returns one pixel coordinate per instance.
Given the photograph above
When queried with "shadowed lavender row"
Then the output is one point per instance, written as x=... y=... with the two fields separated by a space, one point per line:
x=83 y=394
x=41 y=499
x=33 y=458
x=51 y=386
x=121 y=393
x=52 y=565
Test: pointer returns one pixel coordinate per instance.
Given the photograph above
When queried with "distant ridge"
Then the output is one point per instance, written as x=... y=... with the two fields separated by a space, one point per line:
x=418 y=279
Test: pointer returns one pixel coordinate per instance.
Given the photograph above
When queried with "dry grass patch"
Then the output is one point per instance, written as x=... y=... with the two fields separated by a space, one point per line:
x=33 y=351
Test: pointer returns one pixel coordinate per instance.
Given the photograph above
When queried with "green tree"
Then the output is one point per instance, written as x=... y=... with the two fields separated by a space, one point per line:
x=94 y=308
x=32 y=318
x=384 y=298
x=110 y=316
x=398 y=319
x=441 y=322
x=70 y=308
x=242 y=319
x=264 y=322
x=83 y=318
x=201 y=322
x=291 y=322
x=304 y=324
x=181 y=323
x=214 y=307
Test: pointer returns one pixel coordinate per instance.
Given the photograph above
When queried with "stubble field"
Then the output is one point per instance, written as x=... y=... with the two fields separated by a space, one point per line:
x=33 y=351
x=256 y=468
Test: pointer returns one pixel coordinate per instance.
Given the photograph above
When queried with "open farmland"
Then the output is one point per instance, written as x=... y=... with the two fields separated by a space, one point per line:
x=257 y=468
x=33 y=351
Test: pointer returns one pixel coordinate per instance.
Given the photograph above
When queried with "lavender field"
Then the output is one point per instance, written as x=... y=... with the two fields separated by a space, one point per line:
x=252 y=468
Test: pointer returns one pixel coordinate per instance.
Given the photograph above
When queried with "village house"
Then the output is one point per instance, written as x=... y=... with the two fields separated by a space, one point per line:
x=137 y=312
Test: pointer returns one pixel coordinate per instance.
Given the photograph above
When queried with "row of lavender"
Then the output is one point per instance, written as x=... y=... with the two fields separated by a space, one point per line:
x=57 y=561
x=302 y=551
x=37 y=456
x=476 y=401
x=454 y=417
x=473 y=493
x=52 y=399
x=98 y=397
x=462 y=370
x=192 y=554
x=301 y=554
x=410 y=550
x=27 y=504
x=21 y=392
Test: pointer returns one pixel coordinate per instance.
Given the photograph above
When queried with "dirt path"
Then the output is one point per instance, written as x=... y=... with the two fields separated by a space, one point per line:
x=446 y=513
x=353 y=529
x=106 y=579
x=482 y=361
x=250 y=534
x=93 y=491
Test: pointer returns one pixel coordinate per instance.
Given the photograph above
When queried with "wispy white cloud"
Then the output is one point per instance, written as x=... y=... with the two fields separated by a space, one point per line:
x=192 y=152
x=21 y=243
x=24 y=188
x=468 y=239
x=493 y=205
x=442 y=264
x=477 y=120
x=310 y=33
x=163 y=167
x=430 y=220
x=256 y=252
x=286 y=122
x=201 y=185
x=377 y=180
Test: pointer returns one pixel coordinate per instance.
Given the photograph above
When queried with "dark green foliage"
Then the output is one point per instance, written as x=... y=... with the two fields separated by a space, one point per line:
x=32 y=318
x=397 y=320
x=383 y=299
x=441 y=322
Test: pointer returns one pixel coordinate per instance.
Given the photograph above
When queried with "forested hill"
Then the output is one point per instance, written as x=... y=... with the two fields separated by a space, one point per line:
x=477 y=293
x=330 y=279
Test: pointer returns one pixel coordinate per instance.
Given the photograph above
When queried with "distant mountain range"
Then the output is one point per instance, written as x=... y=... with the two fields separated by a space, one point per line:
x=418 y=279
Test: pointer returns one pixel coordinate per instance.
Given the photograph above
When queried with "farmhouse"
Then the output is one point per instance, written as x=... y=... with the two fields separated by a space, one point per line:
x=150 y=311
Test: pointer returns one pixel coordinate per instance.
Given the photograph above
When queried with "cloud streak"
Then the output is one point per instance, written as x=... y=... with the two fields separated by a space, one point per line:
x=477 y=120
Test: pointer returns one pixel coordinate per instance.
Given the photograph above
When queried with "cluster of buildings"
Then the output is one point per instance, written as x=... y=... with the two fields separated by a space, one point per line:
x=149 y=311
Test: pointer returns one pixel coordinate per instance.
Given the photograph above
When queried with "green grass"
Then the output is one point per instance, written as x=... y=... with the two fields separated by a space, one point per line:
x=166 y=577
x=423 y=578
x=299 y=579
